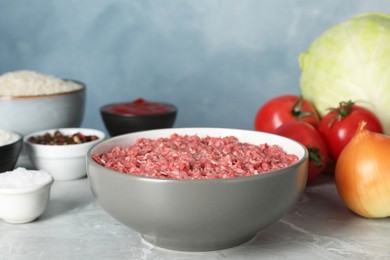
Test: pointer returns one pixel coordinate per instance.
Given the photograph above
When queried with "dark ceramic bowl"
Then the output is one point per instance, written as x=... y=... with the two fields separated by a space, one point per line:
x=120 y=123
x=198 y=215
x=9 y=154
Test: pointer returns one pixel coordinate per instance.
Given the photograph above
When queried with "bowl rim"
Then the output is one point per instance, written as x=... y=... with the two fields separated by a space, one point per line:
x=81 y=89
x=101 y=136
x=173 y=110
x=28 y=189
x=270 y=174
x=8 y=145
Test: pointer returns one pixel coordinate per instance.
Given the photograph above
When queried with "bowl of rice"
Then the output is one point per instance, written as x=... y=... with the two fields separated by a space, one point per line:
x=197 y=189
x=31 y=101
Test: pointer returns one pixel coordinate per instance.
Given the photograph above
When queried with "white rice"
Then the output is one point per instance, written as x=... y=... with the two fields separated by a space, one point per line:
x=30 y=83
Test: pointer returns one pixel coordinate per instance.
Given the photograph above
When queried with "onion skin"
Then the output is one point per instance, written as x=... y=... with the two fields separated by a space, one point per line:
x=362 y=174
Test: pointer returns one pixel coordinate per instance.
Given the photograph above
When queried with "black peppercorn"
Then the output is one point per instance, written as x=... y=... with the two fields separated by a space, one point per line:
x=58 y=138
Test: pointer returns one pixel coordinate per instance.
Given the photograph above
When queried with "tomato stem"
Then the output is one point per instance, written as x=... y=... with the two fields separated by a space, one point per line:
x=315 y=156
x=296 y=110
x=341 y=112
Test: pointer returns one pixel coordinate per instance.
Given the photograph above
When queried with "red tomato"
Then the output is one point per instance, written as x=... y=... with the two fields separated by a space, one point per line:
x=340 y=125
x=282 y=109
x=308 y=136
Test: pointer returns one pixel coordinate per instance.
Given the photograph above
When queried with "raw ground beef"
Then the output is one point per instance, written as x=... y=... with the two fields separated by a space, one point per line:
x=192 y=157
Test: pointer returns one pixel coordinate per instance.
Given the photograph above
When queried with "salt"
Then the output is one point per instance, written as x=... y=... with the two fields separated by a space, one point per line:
x=23 y=178
x=7 y=137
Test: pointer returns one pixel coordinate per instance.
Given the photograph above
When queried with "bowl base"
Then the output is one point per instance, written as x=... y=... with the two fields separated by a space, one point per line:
x=20 y=221
x=183 y=246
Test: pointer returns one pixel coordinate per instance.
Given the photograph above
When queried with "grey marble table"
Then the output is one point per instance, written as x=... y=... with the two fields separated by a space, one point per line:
x=75 y=227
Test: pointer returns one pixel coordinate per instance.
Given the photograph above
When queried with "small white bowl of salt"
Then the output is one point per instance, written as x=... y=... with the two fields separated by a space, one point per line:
x=24 y=194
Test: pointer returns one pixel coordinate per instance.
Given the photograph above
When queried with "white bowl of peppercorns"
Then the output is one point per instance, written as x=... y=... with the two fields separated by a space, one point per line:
x=62 y=151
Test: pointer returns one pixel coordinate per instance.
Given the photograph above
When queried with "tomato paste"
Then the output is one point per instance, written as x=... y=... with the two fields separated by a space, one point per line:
x=139 y=106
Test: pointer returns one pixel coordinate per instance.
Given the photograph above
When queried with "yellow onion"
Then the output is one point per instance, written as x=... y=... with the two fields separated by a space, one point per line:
x=362 y=174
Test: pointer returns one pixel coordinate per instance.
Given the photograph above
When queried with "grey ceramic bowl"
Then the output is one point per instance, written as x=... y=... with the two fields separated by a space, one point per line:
x=198 y=215
x=34 y=113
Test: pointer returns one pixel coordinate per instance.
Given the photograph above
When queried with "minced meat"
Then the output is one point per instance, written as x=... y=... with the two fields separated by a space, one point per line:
x=192 y=157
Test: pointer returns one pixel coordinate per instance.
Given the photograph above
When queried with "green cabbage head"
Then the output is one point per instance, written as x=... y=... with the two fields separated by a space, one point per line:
x=350 y=61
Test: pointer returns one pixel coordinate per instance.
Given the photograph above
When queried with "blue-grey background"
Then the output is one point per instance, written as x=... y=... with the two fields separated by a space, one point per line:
x=217 y=60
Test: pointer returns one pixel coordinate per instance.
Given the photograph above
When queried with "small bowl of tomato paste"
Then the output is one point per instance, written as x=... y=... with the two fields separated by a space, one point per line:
x=137 y=115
